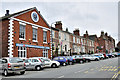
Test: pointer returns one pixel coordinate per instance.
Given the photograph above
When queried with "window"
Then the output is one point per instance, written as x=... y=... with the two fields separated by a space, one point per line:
x=44 y=36
x=73 y=39
x=22 y=31
x=22 y=52
x=61 y=58
x=78 y=40
x=65 y=47
x=56 y=58
x=59 y=36
x=45 y=53
x=34 y=34
x=64 y=36
x=53 y=34
x=35 y=60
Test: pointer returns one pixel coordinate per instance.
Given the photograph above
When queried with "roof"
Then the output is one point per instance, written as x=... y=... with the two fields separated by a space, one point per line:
x=54 y=29
x=92 y=37
x=20 y=12
x=11 y=15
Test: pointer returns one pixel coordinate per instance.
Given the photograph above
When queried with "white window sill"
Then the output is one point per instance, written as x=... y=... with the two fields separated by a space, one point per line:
x=22 y=39
x=35 y=41
x=45 y=42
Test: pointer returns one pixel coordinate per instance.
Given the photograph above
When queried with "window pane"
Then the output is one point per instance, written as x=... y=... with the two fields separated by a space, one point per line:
x=22 y=31
x=44 y=36
x=34 y=34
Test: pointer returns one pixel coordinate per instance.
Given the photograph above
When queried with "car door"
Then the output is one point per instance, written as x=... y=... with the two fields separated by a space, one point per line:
x=28 y=63
x=35 y=62
x=47 y=62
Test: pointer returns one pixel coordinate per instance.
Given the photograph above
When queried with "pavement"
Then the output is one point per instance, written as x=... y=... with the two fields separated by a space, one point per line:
x=103 y=69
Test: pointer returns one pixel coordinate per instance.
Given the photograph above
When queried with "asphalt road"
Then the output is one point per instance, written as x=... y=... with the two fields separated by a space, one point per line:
x=108 y=68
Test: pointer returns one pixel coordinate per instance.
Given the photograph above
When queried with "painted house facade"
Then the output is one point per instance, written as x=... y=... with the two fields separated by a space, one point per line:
x=25 y=34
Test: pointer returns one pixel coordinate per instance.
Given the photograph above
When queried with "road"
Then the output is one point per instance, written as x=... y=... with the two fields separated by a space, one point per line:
x=107 y=68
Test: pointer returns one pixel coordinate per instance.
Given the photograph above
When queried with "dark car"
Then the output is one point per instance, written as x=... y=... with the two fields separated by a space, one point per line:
x=70 y=60
x=110 y=55
x=105 y=56
x=62 y=60
x=78 y=59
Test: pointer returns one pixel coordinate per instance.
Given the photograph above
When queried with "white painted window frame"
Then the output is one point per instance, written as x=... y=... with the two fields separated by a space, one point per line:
x=34 y=27
x=21 y=23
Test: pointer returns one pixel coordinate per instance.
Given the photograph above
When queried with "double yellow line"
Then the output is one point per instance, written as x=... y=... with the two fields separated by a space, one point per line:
x=115 y=75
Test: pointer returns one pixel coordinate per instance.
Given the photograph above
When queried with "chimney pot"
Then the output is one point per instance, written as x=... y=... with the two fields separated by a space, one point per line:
x=7 y=13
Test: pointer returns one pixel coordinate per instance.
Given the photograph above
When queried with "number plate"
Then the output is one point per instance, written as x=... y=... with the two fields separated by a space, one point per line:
x=16 y=67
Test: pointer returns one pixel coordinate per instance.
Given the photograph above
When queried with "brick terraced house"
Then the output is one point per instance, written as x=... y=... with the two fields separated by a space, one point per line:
x=25 y=34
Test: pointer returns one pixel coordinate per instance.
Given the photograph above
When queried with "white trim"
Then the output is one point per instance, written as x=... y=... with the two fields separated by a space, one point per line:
x=22 y=23
x=45 y=30
x=34 y=40
x=35 y=27
x=22 y=39
x=45 y=42
x=29 y=23
x=10 y=38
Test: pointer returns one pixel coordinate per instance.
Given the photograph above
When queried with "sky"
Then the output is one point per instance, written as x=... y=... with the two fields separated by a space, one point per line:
x=93 y=15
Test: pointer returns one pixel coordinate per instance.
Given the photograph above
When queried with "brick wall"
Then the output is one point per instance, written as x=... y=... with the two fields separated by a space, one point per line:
x=4 y=38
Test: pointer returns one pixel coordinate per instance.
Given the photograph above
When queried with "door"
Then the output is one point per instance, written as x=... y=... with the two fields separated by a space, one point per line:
x=47 y=62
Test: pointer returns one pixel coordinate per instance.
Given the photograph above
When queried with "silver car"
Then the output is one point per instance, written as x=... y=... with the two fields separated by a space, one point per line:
x=12 y=65
x=34 y=63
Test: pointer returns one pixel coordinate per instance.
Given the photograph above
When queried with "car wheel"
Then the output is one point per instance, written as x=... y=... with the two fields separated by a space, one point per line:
x=38 y=68
x=22 y=72
x=5 y=73
x=96 y=59
x=87 y=61
x=64 y=64
x=54 y=65
x=70 y=63
x=81 y=61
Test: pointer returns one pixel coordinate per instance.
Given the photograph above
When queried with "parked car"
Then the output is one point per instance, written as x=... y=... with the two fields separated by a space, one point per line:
x=96 y=55
x=105 y=56
x=62 y=60
x=70 y=60
x=115 y=54
x=110 y=55
x=91 y=57
x=100 y=55
x=78 y=59
x=50 y=63
x=12 y=65
x=34 y=63
x=118 y=54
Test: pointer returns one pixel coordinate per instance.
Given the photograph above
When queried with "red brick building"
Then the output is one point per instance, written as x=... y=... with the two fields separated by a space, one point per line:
x=106 y=43
x=95 y=39
x=55 y=41
x=25 y=34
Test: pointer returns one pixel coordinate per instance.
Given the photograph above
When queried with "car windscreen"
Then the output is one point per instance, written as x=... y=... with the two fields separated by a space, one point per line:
x=15 y=60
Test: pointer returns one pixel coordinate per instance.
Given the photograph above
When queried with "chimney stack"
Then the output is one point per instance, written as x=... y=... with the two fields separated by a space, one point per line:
x=102 y=33
x=76 y=32
x=7 y=13
x=58 y=25
x=86 y=34
x=106 y=34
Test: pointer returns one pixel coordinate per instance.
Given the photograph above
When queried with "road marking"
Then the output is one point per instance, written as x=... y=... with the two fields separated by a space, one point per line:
x=115 y=69
x=86 y=72
x=115 y=75
x=61 y=76
x=91 y=69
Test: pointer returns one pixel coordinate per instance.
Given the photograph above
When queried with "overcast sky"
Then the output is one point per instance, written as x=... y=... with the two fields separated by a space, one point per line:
x=91 y=16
